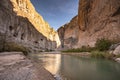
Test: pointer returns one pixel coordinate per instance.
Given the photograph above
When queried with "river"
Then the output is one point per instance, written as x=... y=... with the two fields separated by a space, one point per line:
x=66 y=67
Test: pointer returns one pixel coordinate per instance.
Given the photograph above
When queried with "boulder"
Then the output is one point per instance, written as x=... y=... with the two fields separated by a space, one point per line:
x=117 y=50
x=112 y=47
x=117 y=59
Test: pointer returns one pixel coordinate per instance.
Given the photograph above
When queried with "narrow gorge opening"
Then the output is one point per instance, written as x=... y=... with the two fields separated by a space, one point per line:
x=57 y=12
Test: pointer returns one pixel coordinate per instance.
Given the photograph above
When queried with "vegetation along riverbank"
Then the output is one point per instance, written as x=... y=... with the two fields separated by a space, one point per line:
x=103 y=49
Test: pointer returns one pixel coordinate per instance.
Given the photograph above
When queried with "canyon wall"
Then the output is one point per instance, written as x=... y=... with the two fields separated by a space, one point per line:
x=69 y=34
x=96 y=19
x=22 y=25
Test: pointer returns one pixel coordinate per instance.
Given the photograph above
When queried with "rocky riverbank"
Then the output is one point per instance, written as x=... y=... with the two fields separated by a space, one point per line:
x=15 y=66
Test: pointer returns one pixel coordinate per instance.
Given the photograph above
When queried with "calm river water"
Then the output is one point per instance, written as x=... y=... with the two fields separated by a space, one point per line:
x=69 y=67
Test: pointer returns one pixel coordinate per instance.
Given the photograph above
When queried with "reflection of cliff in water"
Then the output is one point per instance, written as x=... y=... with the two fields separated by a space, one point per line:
x=52 y=62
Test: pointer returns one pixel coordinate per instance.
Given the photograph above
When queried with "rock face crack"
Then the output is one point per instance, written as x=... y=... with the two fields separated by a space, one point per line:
x=117 y=12
x=84 y=9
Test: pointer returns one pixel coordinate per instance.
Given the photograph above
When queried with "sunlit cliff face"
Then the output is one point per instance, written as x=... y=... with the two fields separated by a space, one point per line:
x=25 y=8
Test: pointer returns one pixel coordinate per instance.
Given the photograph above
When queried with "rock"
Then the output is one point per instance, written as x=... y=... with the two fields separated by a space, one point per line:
x=84 y=8
x=117 y=59
x=69 y=33
x=22 y=25
x=15 y=66
x=117 y=50
x=96 y=19
x=112 y=47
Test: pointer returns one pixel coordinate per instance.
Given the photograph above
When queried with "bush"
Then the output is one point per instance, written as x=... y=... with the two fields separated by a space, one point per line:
x=117 y=56
x=82 y=49
x=103 y=44
x=97 y=54
x=101 y=54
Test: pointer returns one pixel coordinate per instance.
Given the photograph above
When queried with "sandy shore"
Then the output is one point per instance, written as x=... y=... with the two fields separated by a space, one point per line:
x=15 y=66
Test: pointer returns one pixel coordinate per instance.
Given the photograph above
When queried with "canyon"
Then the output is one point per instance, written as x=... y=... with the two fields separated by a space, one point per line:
x=21 y=25
x=23 y=31
x=96 y=19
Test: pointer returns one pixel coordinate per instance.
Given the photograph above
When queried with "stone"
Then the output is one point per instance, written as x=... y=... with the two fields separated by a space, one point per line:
x=117 y=50
x=112 y=47
x=96 y=19
x=15 y=66
x=117 y=59
x=22 y=25
x=69 y=33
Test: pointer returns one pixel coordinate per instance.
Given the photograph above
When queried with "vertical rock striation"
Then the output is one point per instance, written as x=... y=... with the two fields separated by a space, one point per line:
x=22 y=25
x=84 y=9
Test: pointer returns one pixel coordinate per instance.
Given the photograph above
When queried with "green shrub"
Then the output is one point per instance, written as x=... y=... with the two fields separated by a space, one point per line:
x=102 y=44
x=97 y=54
x=117 y=56
x=82 y=49
x=101 y=54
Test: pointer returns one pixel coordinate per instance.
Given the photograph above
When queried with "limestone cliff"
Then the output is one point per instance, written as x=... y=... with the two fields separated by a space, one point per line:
x=69 y=34
x=96 y=19
x=21 y=24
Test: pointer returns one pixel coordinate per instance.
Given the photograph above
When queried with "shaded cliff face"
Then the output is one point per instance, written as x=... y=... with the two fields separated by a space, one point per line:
x=96 y=19
x=69 y=34
x=25 y=8
x=21 y=24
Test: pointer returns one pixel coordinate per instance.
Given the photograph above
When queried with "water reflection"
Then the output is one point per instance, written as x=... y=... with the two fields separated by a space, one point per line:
x=73 y=68
x=51 y=62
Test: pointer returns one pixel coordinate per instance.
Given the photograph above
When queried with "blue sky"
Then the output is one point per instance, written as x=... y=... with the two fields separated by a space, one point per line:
x=56 y=12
